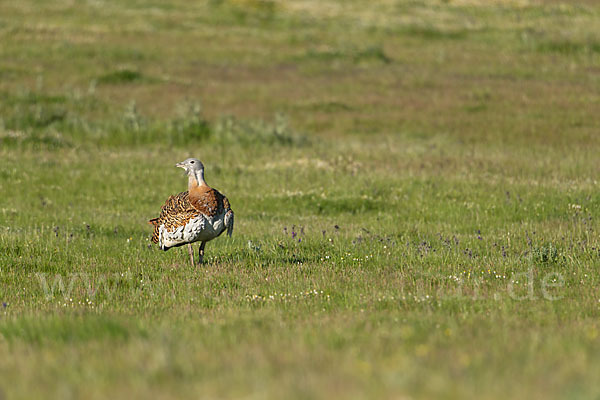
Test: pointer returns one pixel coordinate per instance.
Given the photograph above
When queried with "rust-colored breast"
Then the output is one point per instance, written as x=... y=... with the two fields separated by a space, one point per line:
x=208 y=201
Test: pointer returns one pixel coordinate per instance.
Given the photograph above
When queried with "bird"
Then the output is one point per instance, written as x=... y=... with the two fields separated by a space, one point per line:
x=199 y=214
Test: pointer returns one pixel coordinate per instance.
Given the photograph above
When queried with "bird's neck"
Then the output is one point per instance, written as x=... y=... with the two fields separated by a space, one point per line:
x=196 y=180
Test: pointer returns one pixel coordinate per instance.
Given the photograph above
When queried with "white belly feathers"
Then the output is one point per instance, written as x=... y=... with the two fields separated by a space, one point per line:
x=200 y=228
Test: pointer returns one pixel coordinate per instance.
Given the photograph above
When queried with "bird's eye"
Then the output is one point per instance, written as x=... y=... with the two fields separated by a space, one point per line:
x=192 y=162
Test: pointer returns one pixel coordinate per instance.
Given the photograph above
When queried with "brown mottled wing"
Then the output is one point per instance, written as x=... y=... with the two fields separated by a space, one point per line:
x=176 y=211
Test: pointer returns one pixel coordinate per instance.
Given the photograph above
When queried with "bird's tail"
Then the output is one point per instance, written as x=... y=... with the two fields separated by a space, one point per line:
x=155 y=234
x=229 y=222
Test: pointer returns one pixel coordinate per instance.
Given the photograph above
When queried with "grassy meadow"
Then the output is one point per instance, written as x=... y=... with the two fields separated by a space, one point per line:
x=416 y=189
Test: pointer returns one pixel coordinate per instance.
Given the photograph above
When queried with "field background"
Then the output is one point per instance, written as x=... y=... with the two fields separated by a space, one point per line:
x=415 y=186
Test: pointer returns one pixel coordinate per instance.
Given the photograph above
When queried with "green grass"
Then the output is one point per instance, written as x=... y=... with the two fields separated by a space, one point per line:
x=415 y=186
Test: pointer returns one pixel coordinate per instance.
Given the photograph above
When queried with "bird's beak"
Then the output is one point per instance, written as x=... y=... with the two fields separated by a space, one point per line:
x=180 y=165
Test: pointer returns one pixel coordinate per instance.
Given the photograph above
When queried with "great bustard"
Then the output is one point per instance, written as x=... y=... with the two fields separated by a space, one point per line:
x=199 y=214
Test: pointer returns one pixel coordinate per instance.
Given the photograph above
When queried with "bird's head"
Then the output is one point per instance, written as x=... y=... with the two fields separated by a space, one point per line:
x=194 y=169
x=191 y=166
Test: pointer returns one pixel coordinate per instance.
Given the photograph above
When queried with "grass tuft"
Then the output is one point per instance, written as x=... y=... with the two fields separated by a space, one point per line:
x=120 y=76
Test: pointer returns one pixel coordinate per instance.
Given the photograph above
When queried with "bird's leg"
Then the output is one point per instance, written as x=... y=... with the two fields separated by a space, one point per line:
x=191 y=251
x=201 y=253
